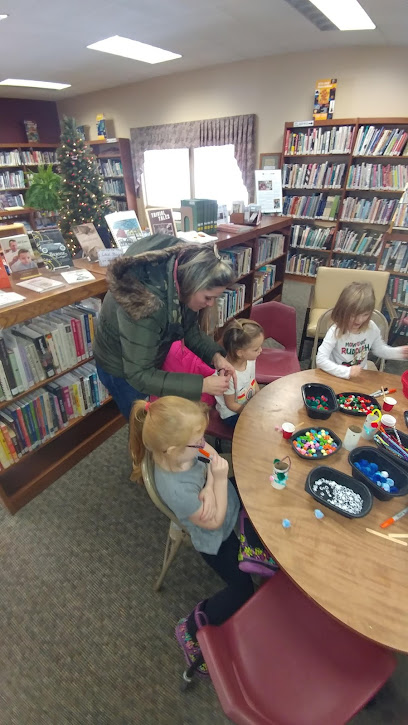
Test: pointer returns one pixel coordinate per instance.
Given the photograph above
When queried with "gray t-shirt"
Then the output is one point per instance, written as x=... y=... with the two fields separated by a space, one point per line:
x=179 y=492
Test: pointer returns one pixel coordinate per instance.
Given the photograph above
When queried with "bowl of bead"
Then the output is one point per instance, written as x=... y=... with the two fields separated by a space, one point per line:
x=384 y=477
x=315 y=443
x=339 y=492
x=356 y=403
x=320 y=400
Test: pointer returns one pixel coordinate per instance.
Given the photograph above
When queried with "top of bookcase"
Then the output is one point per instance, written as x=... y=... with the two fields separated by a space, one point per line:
x=37 y=145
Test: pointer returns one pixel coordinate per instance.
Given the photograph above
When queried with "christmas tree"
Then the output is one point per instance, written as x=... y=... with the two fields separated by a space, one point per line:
x=81 y=194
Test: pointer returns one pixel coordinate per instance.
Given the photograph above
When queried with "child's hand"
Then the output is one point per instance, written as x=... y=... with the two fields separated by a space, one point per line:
x=207 y=498
x=219 y=468
x=355 y=370
x=405 y=351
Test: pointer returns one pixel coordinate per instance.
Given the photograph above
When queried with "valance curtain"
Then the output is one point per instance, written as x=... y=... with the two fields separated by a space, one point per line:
x=236 y=130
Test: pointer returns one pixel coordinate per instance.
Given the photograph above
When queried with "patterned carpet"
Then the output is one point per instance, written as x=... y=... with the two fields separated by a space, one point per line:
x=85 y=639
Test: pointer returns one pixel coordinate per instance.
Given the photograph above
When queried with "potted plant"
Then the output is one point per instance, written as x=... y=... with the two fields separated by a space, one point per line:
x=43 y=190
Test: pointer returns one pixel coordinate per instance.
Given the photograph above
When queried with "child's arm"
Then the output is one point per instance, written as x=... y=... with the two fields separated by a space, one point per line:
x=219 y=473
x=381 y=349
x=232 y=404
x=324 y=361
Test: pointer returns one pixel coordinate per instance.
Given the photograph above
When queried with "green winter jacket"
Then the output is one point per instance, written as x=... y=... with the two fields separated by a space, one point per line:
x=142 y=316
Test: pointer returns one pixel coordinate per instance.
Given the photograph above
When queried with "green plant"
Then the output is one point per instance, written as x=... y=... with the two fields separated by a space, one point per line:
x=43 y=190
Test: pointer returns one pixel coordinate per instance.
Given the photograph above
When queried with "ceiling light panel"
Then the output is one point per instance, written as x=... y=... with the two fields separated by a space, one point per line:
x=345 y=14
x=127 y=48
x=3 y=17
x=34 y=84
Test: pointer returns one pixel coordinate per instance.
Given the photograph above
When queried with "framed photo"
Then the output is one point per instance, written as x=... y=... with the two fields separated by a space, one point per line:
x=270 y=162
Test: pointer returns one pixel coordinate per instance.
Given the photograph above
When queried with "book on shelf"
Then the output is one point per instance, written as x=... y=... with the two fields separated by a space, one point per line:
x=239 y=258
x=304 y=236
x=381 y=177
x=397 y=290
x=324 y=99
x=116 y=187
x=264 y=279
x=267 y=247
x=315 y=206
x=319 y=140
x=31 y=131
x=374 y=210
x=304 y=264
x=12 y=180
x=352 y=264
x=395 y=256
x=313 y=176
x=11 y=202
x=110 y=167
x=199 y=215
x=366 y=242
x=380 y=141
x=230 y=303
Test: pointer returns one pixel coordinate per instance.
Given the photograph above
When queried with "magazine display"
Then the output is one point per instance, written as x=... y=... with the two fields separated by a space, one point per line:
x=89 y=240
x=19 y=256
x=124 y=227
x=161 y=221
x=325 y=96
x=52 y=248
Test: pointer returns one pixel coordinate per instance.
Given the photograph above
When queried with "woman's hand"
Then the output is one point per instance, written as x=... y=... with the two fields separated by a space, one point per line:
x=207 y=498
x=220 y=363
x=215 y=385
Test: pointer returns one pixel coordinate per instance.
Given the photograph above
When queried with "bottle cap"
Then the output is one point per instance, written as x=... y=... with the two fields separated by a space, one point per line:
x=374 y=425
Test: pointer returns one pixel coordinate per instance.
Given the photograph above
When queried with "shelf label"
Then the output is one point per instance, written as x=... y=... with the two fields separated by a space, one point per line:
x=296 y=124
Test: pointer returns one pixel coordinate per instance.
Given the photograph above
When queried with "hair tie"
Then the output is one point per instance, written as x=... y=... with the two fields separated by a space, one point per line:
x=147 y=406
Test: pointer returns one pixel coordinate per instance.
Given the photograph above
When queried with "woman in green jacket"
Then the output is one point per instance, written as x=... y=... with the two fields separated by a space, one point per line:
x=155 y=294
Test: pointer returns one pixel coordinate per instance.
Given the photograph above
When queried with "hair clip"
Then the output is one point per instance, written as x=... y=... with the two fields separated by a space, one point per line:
x=147 y=406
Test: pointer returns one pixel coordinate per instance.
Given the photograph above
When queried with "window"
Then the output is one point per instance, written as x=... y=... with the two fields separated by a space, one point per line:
x=210 y=172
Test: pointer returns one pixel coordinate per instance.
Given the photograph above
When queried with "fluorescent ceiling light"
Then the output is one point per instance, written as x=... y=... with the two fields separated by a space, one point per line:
x=34 y=84
x=117 y=45
x=346 y=14
x=3 y=17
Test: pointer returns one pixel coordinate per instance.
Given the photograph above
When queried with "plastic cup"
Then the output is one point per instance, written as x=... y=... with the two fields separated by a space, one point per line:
x=388 y=421
x=280 y=472
x=389 y=403
x=352 y=437
x=288 y=430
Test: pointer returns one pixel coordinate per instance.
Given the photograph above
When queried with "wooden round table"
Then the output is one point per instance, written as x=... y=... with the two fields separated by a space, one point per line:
x=359 y=578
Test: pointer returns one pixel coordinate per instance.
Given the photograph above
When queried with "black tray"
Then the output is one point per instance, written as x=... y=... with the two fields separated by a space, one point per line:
x=319 y=456
x=374 y=455
x=317 y=389
x=344 y=480
x=355 y=412
x=389 y=453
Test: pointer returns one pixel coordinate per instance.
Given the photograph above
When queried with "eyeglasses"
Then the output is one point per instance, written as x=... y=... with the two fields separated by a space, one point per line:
x=198 y=445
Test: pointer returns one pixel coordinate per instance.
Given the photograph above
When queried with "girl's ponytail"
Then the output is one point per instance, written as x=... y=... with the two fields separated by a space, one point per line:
x=136 y=446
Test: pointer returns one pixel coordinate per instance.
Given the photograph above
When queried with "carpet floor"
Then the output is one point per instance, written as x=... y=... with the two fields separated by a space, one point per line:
x=85 y=639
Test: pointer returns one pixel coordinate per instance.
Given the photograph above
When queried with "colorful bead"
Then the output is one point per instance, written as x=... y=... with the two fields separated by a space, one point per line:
x=315 y=443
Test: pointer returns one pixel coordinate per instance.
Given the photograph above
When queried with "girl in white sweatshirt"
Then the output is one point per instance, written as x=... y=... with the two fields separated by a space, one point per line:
x=345 y=348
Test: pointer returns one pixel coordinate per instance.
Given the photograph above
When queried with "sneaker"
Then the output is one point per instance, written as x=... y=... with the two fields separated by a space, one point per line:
x=253 y=557
x=191 y=648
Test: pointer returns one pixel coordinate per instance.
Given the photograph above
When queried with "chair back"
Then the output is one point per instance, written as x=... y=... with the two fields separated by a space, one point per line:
x=325 y=321
x=330 y=282
x=278 y=321
x=150 y=484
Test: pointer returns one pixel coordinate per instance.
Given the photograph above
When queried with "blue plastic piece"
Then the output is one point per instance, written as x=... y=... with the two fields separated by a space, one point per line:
x=319 y=514
x=286 y=523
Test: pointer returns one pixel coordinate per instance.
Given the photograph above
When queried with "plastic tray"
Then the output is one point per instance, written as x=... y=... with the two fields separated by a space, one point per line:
x=388 y=452
x=373 y=455
x=355 y=412
x=345 y=480
x=319 y=456
x=315 y=389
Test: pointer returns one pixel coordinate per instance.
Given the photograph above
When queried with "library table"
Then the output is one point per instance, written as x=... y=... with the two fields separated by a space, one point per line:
x=359 y=578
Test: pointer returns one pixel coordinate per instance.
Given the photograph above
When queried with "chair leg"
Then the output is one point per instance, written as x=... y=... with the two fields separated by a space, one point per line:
x=302 y=340
x=175 y=538
x=218 y=445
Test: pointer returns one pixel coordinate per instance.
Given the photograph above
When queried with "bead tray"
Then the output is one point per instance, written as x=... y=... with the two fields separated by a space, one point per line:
x=374 y=402
x=315 y=389
x=319 y=456
x=374 y=455
x=342 y=478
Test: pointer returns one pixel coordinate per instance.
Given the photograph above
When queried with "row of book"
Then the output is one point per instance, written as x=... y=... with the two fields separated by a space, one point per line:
x=8 y=200
x=40 y=415
x=12 y=180
x=313 y=176
x=377 y=176
x=401 y=215
x=397 y=323
x=268 y=247
x=319 y=140
x=230 y=303
x=375 y=210
x=315 y=206
x=110 y=167
x=301 y=235
x=113 y=186
x=46 y=346
x=381 y=141
x=304 y=264
x=366 y=242
x=264 y=279
x=204 y=215
x=31 y=158
x=118 y=205
x=239 y=257
x=397 y=290
x=352 y=264
x=395 y=256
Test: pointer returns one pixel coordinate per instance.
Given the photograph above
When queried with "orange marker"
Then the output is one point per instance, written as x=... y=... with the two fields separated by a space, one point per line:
x=398 y=516
x=206 y=455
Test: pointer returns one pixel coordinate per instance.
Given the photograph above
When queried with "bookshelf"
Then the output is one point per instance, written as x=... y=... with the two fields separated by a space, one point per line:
x=359 y=169
x=37 y=469
x=115 y=165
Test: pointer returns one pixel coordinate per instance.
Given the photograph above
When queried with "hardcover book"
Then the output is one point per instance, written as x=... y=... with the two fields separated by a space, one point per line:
x=161 y=221
x=19 y=256
x=52 y=248
x=325 y=95
x=89 y=240
x=124 y=227
x=31 y=131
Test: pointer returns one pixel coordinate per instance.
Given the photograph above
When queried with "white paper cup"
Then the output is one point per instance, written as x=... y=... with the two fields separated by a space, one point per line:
x=388 y=421
x=352 y=437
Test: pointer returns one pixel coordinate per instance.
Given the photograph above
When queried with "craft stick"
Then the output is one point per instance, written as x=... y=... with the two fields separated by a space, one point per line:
x=385 y=536
x=398 y=536
x=382 y=391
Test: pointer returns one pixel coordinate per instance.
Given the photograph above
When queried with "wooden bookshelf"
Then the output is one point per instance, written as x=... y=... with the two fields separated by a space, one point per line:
x=351 y=158
x=117 y=150
x=37 y=469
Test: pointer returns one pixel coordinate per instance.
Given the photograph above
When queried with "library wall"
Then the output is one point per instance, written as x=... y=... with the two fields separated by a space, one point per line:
x=13 y=113
x=371 y=82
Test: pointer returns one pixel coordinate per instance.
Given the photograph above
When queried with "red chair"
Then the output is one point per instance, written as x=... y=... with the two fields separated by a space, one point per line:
x=279 y=322
x=217 y=428
x=281 y=660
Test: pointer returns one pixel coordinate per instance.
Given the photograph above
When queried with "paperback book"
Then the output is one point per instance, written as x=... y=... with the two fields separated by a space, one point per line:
x=51 y=246
x=161 y=221
x=19 y=256
x=124 y=227
x=89 y=240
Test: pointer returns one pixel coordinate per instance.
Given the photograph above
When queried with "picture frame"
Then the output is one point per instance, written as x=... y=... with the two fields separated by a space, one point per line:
x=270 y=161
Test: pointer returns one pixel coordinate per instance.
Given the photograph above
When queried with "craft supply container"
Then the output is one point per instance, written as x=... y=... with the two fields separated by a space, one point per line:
x=343 y=479
x=384 y=463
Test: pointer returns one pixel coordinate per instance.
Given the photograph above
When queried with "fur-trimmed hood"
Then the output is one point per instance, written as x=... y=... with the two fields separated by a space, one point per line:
x=142 y=281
